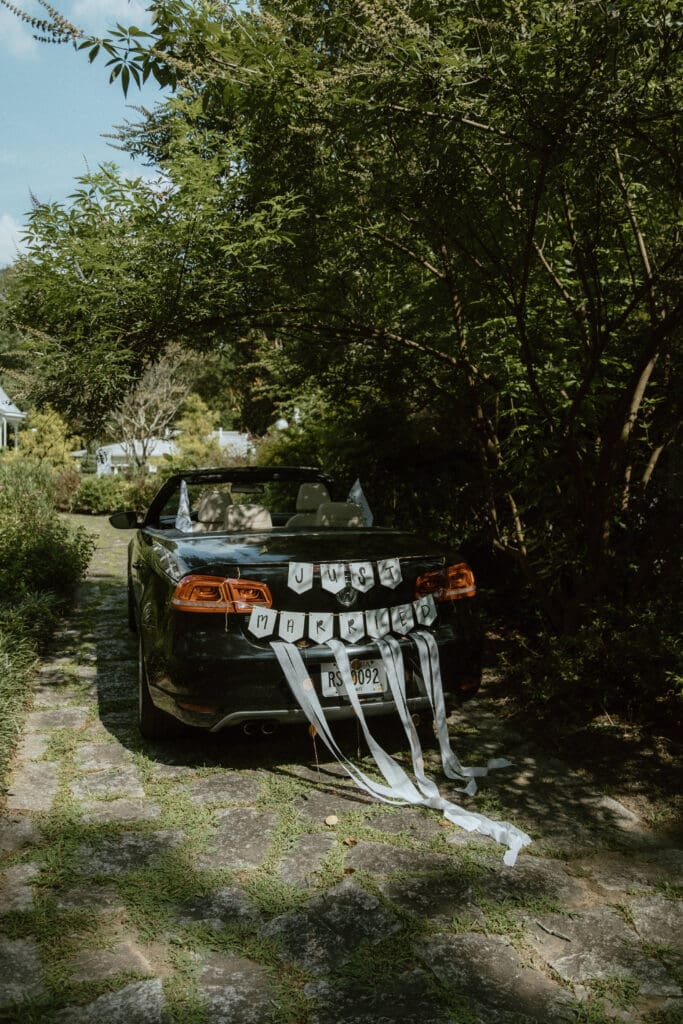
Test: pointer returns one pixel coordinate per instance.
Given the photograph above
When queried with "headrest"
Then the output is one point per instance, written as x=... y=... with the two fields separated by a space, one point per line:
x=212 y=506
x=339 y=513
x=247 y=517
x=310 y=496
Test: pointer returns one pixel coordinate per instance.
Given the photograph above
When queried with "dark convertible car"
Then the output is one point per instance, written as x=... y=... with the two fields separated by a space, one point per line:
x=227 y=560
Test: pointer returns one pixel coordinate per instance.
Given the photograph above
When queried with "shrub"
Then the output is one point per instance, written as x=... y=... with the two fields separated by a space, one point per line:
x=627 y=661
x=30 y=618
x=38 y=551
x=140 y=491
x=66 y=485
x=99 y=494
x=46 y=439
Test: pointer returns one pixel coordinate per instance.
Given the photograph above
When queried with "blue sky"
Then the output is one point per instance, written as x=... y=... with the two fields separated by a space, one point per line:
x=54 y=110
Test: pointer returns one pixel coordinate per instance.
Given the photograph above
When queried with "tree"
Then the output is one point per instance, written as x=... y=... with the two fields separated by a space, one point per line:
x=146 y=412
x=479 y=201
x=195 y=445
x=46 y=440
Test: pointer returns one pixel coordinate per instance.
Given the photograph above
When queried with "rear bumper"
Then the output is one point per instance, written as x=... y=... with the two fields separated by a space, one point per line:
x=213 y=679
x=333 y=712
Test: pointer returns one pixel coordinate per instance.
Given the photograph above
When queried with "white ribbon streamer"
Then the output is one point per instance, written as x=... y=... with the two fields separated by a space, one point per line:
x=431 y=674
x=400 y=788
x=303 y=689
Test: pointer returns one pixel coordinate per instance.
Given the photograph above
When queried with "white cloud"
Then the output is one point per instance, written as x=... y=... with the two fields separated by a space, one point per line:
x=15 y=36
x=99 y=15
x=10 y=240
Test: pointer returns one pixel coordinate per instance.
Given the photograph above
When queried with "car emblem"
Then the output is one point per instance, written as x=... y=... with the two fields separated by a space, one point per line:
x=347 y=596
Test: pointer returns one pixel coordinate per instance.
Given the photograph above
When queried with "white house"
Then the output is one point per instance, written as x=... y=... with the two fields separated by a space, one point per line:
x=115 y=458
x=10 y=418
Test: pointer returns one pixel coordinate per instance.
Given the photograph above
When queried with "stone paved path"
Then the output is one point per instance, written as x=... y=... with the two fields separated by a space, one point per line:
x=198 y=882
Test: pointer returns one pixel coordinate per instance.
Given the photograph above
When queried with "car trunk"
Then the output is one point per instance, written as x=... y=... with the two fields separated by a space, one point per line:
x=265 y=558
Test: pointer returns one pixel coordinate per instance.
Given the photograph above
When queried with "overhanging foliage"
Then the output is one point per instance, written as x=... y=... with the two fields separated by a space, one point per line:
x=476 y=202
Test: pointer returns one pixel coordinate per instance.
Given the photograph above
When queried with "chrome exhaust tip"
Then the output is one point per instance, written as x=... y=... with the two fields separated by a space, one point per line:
x=269 y=727
x=250 y=728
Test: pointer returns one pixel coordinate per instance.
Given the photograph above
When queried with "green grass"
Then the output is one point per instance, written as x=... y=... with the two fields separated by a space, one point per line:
x=17 y=657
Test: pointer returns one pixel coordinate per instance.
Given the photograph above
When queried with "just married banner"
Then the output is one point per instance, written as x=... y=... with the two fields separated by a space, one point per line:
x=349 y=626
x=335 y=576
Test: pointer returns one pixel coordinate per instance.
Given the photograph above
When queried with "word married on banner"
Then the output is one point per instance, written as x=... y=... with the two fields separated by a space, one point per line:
x=335 y=576
x=349 y=626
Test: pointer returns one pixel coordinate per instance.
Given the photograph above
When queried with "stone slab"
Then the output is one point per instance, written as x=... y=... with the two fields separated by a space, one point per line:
x=16 y=891
x=333 y=925
x=236 y=990
x=22 y=976
x=437 y=899
x=121 y=781
x=140 y=1003
x=50 y=698
x=412 y=821
x=95 y=897
x=381 y=859
x=100 y=964
x=317 y=805
x=599 y=944
x=96 y=755
x=127 y=851
x=33 y=786
x=330 y=774
x=612 y=813
x=533 y=880
x=225 y=788
x=31 y=746
x=53 y=673
x=219 y=908
x=407 y=998
x=300 y=865
x=122 y=810
x=613 y=873
x=64 y=718
x=241 y=839
x=489 y=971
x=172 y=771
x=17 y=832
x=659 y=921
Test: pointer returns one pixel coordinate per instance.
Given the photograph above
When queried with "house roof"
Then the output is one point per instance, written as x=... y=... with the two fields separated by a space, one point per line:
x=7 y=407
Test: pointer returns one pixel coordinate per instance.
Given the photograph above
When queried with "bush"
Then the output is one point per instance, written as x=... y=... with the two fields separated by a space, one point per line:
x=626 y=662
x=140 y=491
x=30 y=618
x=99 y=494
x=46 y=439
x=38 y=551
x=66 y=485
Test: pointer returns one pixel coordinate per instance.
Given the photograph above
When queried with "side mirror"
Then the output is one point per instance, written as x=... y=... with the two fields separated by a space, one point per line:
x=124 y=520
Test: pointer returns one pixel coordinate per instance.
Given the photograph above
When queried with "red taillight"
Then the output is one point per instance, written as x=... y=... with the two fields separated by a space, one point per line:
x=216 y=594
x=449 y=584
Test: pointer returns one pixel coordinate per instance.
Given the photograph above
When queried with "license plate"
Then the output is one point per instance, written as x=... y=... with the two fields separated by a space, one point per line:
x=368 y=677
